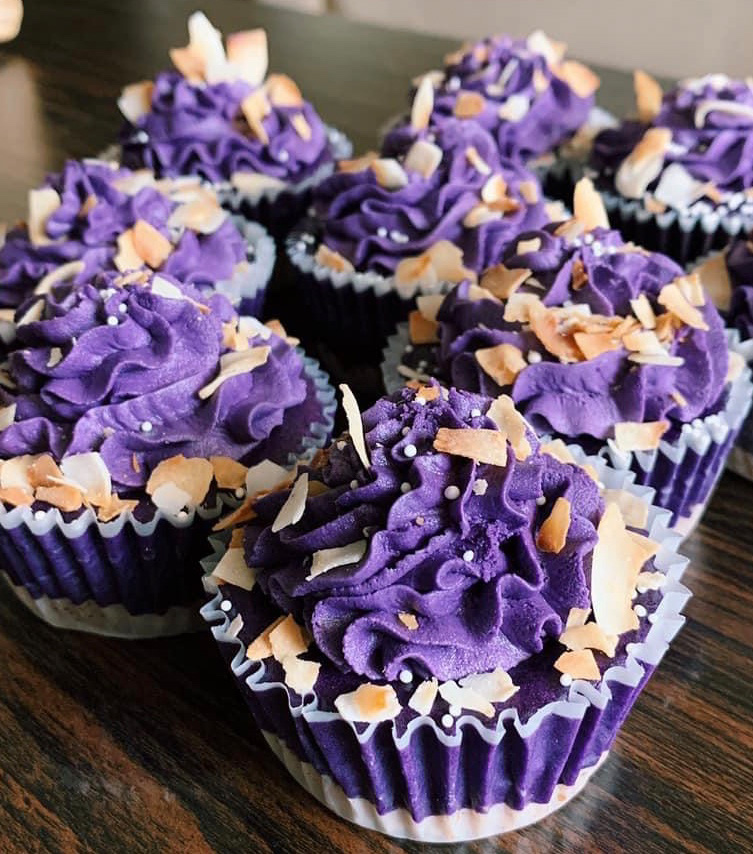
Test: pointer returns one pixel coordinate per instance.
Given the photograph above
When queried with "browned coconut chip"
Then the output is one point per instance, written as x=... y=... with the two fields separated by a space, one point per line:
x=643 y=311
x=242 y=514
x=479 y=444
x=127 y=256
x=369 y=703
x=192 y=476
x=507 y=418
x=679 y=398
x=228 y=473
x=423 y=157
x=502 y=362
x=203 y=215
x=714 y=277
x=423 y=697
x=502 y=282
x=423 y=104
x=735 y=367
x=355 y=424
x=589 y=636
x=66 y=498
x=674 y=300
x=465 y=698
x=593 y=344
x=234 y=364
x=495 y=187
x=553 y=51
x=666 y=361
x=7 y=416
x=255 y=182
x=618 y=558
x=588 y=206
x=292 y=510
x=300 y=675
x=639 y=436
x=477 y=161
x=260 y=648
x=14 y=473
x=152 y=246
x=552 y=534
x=559 y=450
x=578 y=77
x=545 y=327
x=648 y=96
x=429 y=305
x=248 y=54
x=44 y=471
x=652 y=205
x=287 y=638
x=329 y=258
x=633 y=508
x=389 y=173
x=579 y=275
x=447 y=260
x=468 y=105
x=643 y=164
x=357 y=164
x=495 y=687
x=526 y=246
x=416 y=270
x=135 y=100
x=42 y=204
x=426 y=393
x=421 y=330
x=88 y=473
x=480 y=214
x=255 y=108
x=232 y=339
x=114 y=507
x=645 y=341
x=577 y=617
x=579 y=665
x=15 y=496
x=518 y=307
x=408 y=620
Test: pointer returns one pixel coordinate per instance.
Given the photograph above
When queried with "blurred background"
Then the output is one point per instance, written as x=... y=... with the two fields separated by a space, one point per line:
x=665 y=37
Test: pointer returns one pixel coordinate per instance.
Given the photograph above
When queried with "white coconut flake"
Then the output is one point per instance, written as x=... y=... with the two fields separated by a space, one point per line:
x=326 y=559
x=355 y=425
x=292 y=510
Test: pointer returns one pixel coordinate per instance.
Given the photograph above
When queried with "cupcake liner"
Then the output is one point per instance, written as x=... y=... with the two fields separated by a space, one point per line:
x=127 y=577
x=683 y=472
x=248 y=286
x=278 y=209
x=429 y=784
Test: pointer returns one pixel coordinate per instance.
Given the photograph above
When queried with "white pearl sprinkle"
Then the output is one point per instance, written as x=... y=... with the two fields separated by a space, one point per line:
x=533 y=357
x=451 y=492
x=283 y=156
x=448 y=721
x=405 y=431
x=399 y=237
x=122 y=308
x=226 y=605
x=475 y=412
x=354 y=484
x=408 y=348
x=406 y=677
x=112 y=320
x=146 y=426
x=455 y=711
x=240 y=492
x=480 y=486
x=541 y=500
x=468 y=555
x=410 y=450
x=566 y=680
x=39 y=515
x=341 y=446
x=640 y=611
x=405 y=487
x=381 y=231
x=629 y=648
x=652 y=618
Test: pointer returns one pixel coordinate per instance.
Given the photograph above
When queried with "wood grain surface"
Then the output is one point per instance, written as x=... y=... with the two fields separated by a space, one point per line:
x=110 y=746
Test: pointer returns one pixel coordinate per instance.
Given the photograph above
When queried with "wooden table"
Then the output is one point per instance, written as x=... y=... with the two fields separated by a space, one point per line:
x=110 y=746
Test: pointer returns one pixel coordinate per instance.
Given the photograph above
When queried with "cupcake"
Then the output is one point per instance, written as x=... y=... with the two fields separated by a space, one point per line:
x=523 y=91
x=135 y=411
x=94 y=216
x=600 y=343
x=679 y=177
x=441 y=626
x=220 y=117
x=388 y=228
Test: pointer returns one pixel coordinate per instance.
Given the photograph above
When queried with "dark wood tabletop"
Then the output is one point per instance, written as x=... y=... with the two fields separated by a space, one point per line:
x=110 y=746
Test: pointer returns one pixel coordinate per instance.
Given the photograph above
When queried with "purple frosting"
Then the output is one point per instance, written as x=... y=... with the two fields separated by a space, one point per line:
x=584 y=399
x=125 y=378
x=467 y=567
x=500 y=68
x=719 y=151
x=200 y=130
x=360 y=218
x=198 y=259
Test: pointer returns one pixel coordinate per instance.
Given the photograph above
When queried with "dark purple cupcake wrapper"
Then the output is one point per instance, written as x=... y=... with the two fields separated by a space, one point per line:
x=682 y=472
x=127 y=577
x=437 y=785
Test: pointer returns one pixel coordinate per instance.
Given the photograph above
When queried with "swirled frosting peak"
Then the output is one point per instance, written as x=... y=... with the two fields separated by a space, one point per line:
x=445 y=198
x=141 y=368
x=93 y=216
x=220 y=117
x=432 y=559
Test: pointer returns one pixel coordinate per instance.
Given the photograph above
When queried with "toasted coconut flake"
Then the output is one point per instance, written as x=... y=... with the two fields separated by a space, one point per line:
x=232 y=339
x=408 y=620
x=502 y=281
x=254 y=182
x=588 y=206
x=507 y=418
x=677 y=188
x=170 y=499
x=326 y=559
x=369 y=703
x=645 y=341
x=552 y=51
x=447 y=260
x=544 y=326
x=639 y=436
x=334 y=260
x=496 y=687
x=578 y=77
x=423 y=697
x=518 y=307
x=618 y=558
x=234 y=364
x=593 y=344
x=651 y=580
x=152 y=246
x=266 y=476
x=589 y=636
x=559 y=450
x=228 y=473
x=357 y=164
x=89 y=474
x=427 y=393
x=64 y=497
x=656 y=359
x=479 y=444
x=480 y=214
x=423 y=105
x=63 y=273
x=42 y=204
x=680 y=398
x=300 y=675
x=692 y=289
x=203 y=215
x=529 y=191
x=255 y=107
x=552 y=534
x=477 y=161
x=416 y=270
x=714 y=277
x=633 y=508
x=577 y=617
x=526 y=246
x=135 y=100
x=465 y=698
x=502 y=363
x=643 y=311
x=288 y=639
x=514 y=108
x=114 y=507
x=192 y=475
x=292 y=510
x=735 y=367
x=127 y=256
x=260 y=648
x=429 y=305
x=355 y=425
x=44 y=471
x=15 y=472
x=648 y=96
x=232 y=569
x=422 y=331
x=244 y=513
x=389 y=173
x=579 y=665
x=495 y=187
x=423 y=157
x=248 y=54
x=16 y=496
x=643 y=164
x=301 y=126
x=283 y=91
x=468 y=105
x=673 y=299
x=579 y=275
x=7 y=415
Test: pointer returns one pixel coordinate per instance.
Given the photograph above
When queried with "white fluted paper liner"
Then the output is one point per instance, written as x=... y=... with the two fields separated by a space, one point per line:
x=246 y=288
x=581 y=697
